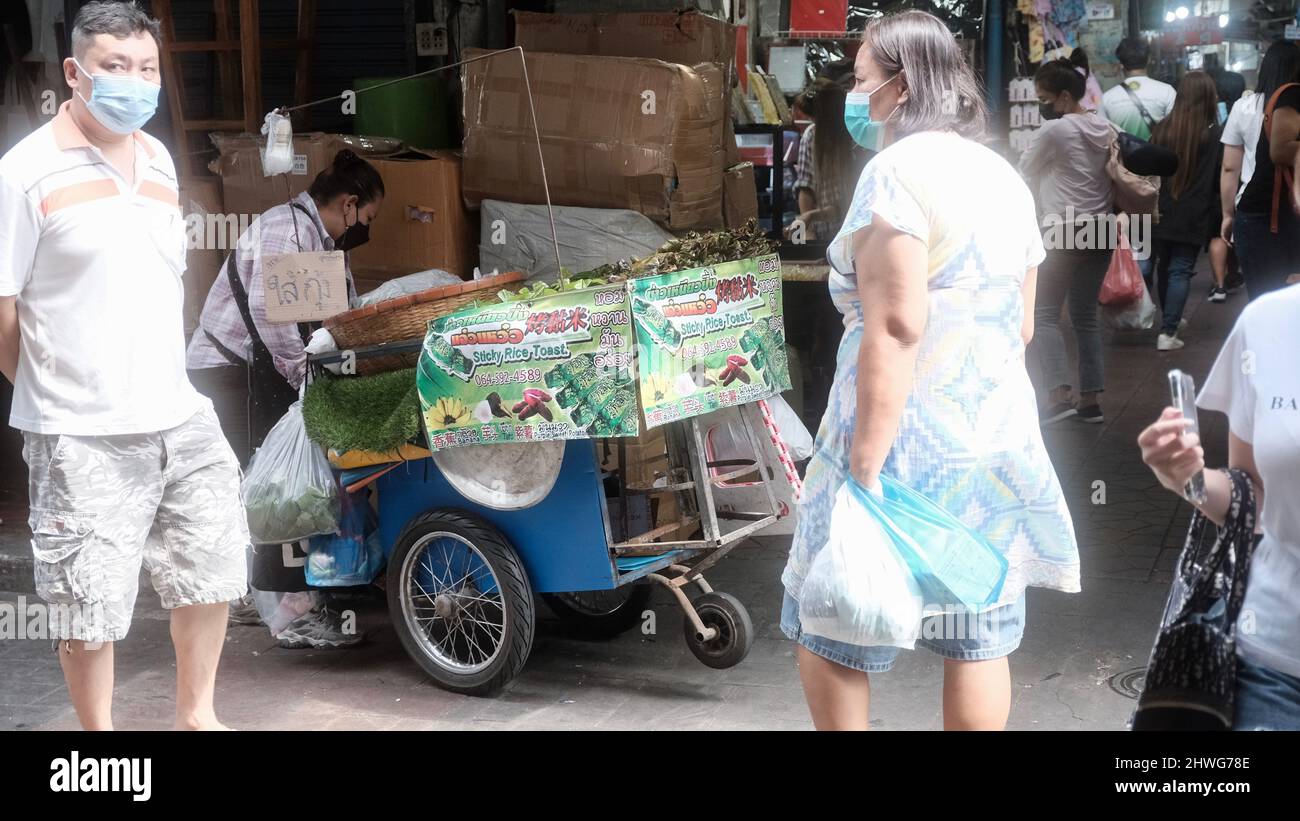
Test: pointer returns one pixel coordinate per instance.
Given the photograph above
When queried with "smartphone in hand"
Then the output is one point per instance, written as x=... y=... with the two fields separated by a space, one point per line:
x=1182 y=395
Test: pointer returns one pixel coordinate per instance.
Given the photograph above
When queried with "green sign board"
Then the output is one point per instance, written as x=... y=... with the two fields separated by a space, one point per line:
x=709 y=338
x=559 y=367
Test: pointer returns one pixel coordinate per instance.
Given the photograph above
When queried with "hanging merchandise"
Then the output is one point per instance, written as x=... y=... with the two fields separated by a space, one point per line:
x=277 y=158
x=289 y=492
x=354 y=555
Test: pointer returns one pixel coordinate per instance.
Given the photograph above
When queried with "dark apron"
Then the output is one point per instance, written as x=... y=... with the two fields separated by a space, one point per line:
x=278 y=568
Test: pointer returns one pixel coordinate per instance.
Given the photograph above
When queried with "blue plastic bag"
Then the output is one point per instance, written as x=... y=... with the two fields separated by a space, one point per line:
x=955 y=567
x=354 y=555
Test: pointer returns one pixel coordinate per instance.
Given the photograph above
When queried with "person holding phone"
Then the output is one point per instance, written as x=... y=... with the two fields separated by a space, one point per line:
x=1255 y=382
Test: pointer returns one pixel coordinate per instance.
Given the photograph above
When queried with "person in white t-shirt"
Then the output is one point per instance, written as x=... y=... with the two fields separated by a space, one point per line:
x=1256 y=383
x=127 y=463
x=1139 y=102
x=1241 y=137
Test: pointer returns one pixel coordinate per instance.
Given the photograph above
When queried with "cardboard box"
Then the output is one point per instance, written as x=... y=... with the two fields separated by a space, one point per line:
x=739 y=195
x=422 y=223
x=603 y=146
x=246 y=190
x=686 y=37
x=200 y=198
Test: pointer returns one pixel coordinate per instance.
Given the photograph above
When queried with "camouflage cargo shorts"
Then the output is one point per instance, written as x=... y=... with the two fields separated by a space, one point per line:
x=103 y=506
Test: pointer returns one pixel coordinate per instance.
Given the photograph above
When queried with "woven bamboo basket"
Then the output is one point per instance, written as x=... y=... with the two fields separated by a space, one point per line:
x=407 y=317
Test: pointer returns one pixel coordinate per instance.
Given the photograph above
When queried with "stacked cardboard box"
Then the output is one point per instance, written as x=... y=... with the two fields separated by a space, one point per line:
x=422 y=223
x=686 y=37
x=246 y=190
x=616 y=132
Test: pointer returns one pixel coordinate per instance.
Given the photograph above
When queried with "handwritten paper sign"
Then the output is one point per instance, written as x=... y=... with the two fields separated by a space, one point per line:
x=304 y=287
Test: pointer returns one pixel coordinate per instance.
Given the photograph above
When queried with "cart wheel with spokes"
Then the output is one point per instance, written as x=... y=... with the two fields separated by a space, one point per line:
x=728 y=616
x=460 y=601
x=601 y=614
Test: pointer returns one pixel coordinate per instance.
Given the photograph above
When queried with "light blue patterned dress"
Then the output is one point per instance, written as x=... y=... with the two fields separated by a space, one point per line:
x=969 y=436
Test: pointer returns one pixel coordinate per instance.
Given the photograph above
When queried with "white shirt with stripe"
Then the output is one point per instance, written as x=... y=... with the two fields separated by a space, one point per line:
x=96 y=264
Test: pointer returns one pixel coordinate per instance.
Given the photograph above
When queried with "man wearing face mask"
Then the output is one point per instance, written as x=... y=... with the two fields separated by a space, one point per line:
x=127 y=463
x=253 y=368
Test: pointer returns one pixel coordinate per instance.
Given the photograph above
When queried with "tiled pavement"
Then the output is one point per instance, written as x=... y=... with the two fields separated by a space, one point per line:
x=1078 y=652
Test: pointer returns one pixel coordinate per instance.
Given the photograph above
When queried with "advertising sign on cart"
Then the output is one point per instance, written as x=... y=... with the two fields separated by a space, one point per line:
x=559 y=367
x=709 y=338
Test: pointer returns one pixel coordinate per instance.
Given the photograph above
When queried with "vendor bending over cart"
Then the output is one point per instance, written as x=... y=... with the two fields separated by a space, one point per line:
x=251 y=368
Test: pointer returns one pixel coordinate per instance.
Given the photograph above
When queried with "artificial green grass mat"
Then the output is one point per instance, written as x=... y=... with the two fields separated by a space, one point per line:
x=373 y=413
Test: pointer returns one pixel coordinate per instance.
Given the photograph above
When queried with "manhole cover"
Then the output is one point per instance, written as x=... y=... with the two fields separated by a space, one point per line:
x=1130 y=682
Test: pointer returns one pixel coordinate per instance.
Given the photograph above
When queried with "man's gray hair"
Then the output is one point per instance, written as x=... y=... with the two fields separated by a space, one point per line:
x=120 y=19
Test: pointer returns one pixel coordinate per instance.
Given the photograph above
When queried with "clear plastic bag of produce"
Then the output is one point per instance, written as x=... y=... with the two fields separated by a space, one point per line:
x=289 y=491
x=859 y=590
x=354 y=555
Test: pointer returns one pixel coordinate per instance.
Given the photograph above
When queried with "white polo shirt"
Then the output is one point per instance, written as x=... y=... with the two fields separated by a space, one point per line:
x=96 y=265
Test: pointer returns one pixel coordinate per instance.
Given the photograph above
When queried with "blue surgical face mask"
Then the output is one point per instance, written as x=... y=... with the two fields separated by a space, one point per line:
x=866 y=132
x=121 y=103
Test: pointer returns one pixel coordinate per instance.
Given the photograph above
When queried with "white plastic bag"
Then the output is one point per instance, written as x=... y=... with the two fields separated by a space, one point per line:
x=1139 y=315
x=277 y=157
x=409 y=284
x=859 y=590
x=793 y=431
x=289 y=491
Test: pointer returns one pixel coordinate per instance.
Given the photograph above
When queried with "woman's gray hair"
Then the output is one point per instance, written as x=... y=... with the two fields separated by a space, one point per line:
x=120 y=19
x=942 y=92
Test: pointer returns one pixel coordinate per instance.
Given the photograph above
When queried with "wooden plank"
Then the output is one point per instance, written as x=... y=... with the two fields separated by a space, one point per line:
x=225 y=60
x=175 y=85
x=306 y=51
x=251 y=56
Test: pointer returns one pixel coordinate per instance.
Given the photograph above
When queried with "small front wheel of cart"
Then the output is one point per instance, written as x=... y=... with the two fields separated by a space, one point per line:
x=460 y=601
x=601 y=614
x=735 y=632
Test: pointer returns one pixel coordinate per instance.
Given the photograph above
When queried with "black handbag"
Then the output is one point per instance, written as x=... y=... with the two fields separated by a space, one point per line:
x=1191 y=679
x=1146 y=159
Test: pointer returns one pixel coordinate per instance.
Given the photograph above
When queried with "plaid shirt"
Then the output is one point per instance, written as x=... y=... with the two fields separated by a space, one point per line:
x=272 y=234
x=830 y=192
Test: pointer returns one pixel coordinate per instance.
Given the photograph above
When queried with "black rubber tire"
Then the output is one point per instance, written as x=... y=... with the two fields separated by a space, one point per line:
x=517 y=596
x=729 y=616
x=590 y=625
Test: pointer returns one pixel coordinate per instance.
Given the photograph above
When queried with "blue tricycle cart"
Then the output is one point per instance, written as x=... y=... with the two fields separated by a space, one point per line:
x=462 y=576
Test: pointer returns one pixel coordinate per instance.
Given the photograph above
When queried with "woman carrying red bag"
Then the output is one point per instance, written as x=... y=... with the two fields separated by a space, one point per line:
x=1187 y=199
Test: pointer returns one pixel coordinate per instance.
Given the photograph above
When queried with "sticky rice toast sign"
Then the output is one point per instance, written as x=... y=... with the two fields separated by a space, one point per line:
x=709 y=338
x=558 y=367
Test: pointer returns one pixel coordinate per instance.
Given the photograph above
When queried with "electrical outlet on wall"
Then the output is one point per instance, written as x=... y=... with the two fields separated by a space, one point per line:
x=439 y=37
x=424 y=46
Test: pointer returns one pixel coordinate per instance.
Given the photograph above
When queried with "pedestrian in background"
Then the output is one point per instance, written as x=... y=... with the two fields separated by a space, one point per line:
x=1265 y=229
x=1066 y=166
x=829 y=161
x=1188 y=200
x=1139 y=102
